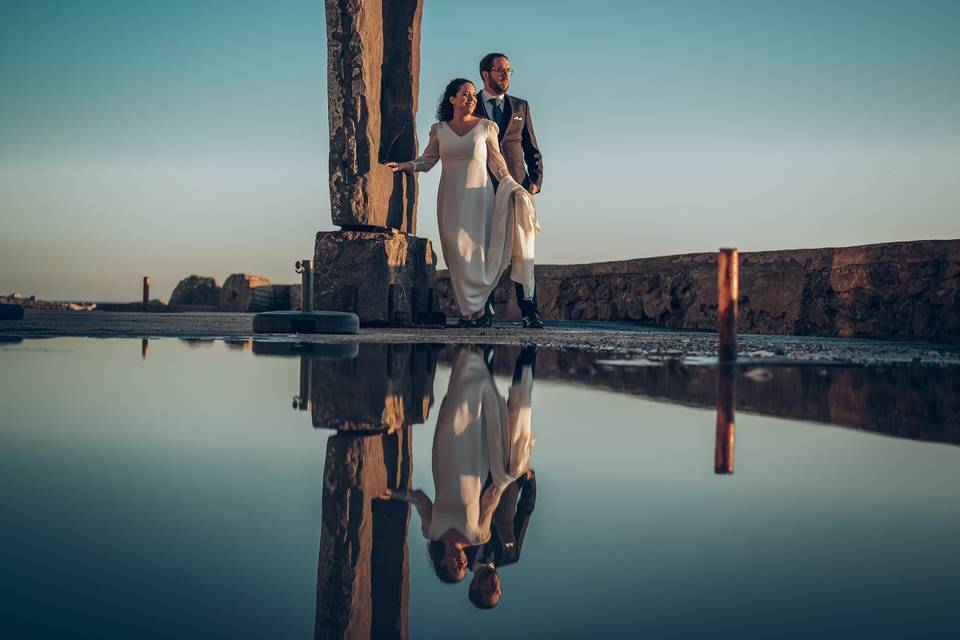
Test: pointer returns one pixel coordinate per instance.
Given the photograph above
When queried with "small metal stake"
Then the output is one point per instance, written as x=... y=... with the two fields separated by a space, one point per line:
x=728 y=290
x=146 y=292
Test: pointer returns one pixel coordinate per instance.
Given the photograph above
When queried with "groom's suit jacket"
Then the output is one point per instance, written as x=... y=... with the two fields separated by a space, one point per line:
x=510 y=520
x=518 y=143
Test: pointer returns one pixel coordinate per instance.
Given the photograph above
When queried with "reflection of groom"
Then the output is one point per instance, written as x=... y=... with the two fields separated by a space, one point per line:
x=518 y=145
x=510 y=520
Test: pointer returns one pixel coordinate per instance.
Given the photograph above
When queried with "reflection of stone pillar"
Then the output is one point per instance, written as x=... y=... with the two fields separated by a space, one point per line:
x=386 y=387
x=726 y=406
x=363 y=568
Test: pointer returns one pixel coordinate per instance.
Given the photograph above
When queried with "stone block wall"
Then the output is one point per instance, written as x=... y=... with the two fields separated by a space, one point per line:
x=899 y=290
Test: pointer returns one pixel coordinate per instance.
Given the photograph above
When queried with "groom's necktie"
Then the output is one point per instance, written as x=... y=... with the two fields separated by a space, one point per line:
x=497 y=111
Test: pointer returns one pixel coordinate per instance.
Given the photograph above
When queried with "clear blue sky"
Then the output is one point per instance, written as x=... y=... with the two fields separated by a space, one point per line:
x=170 y=138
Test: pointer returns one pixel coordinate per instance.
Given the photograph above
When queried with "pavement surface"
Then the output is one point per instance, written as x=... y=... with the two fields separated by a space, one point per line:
x=628 y=339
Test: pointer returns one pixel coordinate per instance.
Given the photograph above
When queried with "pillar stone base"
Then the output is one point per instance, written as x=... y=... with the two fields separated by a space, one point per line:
x=384 y=276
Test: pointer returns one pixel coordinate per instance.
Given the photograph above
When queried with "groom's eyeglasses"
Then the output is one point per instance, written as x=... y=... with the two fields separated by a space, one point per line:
x=502 y=72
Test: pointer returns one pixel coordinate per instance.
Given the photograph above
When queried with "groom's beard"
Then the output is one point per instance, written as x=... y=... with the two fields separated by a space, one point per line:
x=500 y=86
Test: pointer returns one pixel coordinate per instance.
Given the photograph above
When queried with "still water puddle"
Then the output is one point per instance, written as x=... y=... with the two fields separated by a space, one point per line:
x=276 y=490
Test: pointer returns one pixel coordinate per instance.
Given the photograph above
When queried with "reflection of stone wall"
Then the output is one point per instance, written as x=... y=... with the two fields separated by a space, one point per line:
x=363 y=565
x=908 y=401
x=384 y=388
x=901 y=289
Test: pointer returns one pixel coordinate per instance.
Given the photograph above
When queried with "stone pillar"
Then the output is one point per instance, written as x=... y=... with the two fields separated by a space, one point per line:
x=373 y=76
x=375 y=266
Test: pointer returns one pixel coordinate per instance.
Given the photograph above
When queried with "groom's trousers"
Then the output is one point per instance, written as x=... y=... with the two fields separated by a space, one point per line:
x=526 y=306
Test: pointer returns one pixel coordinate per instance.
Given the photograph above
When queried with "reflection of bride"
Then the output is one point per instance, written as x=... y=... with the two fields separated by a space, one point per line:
x=478 y=434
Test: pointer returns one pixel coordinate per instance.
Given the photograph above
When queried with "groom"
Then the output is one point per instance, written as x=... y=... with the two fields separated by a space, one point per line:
x=519 y=147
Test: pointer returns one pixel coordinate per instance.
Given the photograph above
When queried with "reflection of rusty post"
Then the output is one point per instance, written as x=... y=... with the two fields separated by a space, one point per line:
x=726 y=407
x=144 y=347
x=728 y=290
x=146 y=292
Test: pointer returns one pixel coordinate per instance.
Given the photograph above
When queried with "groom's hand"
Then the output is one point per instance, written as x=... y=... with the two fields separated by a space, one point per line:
x=534 y=189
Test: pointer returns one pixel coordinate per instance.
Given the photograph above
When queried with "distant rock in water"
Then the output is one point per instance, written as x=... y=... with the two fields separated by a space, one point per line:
x=196 y=290
x=243 y=292
x=33 y=302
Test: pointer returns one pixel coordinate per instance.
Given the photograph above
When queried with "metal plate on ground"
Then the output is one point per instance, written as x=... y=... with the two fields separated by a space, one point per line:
x=341 y=322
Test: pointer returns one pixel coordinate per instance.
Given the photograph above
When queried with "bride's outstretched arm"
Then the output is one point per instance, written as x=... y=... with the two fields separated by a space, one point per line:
x=418 y=499
x=427 y=160
x=495 y=162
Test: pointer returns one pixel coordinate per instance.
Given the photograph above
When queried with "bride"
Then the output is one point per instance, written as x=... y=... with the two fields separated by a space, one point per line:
x=481 y=231
x=478 y=434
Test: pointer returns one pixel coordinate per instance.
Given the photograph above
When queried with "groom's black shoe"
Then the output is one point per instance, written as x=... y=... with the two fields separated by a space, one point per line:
x=485 y=320
x=532 y=320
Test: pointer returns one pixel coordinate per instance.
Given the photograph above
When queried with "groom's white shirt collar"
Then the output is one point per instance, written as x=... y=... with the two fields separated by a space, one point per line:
x=486 y=97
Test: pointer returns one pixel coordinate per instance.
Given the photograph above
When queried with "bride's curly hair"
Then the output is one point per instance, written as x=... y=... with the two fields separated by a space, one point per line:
x=445 y=109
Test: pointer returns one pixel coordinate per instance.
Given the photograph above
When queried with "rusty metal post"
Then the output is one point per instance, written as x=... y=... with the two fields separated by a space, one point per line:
x=726 y=410
x=146 y=292
x=305 y=269
x=728 y=290
x=144 y=348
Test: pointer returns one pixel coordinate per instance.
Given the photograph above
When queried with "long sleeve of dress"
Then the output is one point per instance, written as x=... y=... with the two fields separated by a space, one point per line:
x=495 y=162
x=431 y=153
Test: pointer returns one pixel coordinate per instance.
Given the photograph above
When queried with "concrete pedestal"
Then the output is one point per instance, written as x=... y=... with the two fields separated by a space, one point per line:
x=384 y=276
x=305 y=322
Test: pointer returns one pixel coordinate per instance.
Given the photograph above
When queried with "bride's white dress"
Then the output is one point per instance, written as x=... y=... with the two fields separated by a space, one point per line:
x=479 y=231
x=478 y=432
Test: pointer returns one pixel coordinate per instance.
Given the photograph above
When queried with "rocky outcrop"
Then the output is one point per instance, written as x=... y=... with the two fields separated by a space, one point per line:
x=373 y=70
x=243 y=292
x=891 y=291
x=196 y=290
x=386 y=278
x=285 y=297
x=33 y=302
